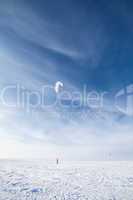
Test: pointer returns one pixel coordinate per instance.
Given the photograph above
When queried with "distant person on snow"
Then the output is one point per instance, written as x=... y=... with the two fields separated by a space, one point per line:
x=57 y=161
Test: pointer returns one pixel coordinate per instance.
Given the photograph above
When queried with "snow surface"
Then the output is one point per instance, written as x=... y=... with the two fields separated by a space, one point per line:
x=26 y=180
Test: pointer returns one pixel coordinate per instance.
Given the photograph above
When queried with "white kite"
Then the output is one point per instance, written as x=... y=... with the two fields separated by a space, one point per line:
x=58 y=86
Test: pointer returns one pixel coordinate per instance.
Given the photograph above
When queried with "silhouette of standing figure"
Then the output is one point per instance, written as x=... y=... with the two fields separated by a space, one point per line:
x=57 y=161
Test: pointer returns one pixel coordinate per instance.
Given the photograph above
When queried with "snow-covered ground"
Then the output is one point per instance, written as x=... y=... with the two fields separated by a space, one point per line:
x=21 y=180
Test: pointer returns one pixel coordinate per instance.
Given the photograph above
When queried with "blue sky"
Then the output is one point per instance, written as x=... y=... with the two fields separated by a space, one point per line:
x=78 y=43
